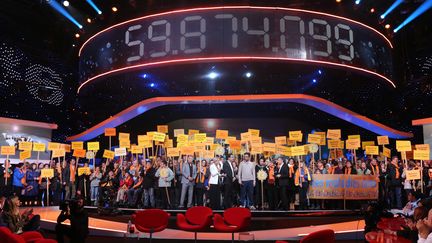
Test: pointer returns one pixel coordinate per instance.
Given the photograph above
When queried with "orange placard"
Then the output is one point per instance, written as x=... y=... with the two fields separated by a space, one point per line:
x=173 y=152
x=108 y=154
x=192 y=131
x=7 y=150
x=245 y=137
x=221 y=134
x=386 y=152
x=334 y=133
x=295 y=136
x=333 y=144
x=422 y=147
x=383 y=140
x=110 y=132
x=281 y=140
x=56 y=153
x=254 y=132
x=25 y=154
x=403 y=146
x=52 y=146
x=77 y=145
x=79 y=153
x=162 y=128
x=314 y=138
x=124 y=136
x=39 y=147
x=187 y=150
x=235 y=144
x=66 y=147
x=372 y=150
x=352 y=143
x=367 y=143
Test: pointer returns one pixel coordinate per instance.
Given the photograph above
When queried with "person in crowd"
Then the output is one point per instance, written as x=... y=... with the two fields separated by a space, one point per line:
x=165 y=175
x=229 y=179
x=413 y=198
x=395 y=183
x=338 y=168
x=148 y=175
x=214 y=190
x=19 y=222
x=320 y=170
x=135 y=192
x=70 y=186
x=189 y=173
x=282 y=181
x=292 y=190
x=84 y=184
x=95 y=179
x=363 y=170
x=32 y=181
x=261 y=186
x=246 y=176
x=55 y=184
x=17 y=182
x=302 y=179
x=78 y=230
x=349 y=170
x=200 y=182
x=125 y=184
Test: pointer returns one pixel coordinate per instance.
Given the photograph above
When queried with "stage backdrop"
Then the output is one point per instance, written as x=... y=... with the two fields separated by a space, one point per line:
x=349 y=187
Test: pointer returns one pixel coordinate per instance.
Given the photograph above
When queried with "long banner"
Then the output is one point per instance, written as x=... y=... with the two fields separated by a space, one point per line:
x=349 y=187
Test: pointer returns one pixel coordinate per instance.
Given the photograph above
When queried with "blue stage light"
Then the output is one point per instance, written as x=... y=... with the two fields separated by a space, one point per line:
x=152 y=85
x=391 y=8
x=212 y=75
x=56 y=6
x=248 y=74
x=314 y=80
x=419 y=11
x=93 y=5
x=320 y=71
x=144 y=75
x=357 y=2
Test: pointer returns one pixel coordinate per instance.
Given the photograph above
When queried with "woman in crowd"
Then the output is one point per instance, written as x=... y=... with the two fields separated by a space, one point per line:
x=95 y=179
x=165 y=175
x=32 y=188
x=302 y=179
x=125 y=184
x=18 y=222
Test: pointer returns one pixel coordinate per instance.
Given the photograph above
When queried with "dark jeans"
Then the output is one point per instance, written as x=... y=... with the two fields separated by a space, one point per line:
x=33 y=224
x=283 y=194
x=228 y=195
x=247 y=193
x=214 y=196
x=303 y=195
x=396 y=197
x=65 y=230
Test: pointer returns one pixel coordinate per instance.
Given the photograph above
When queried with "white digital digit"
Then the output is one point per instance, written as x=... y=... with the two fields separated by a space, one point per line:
x=161 y=37
x=283 y=23
x=345 y=41
x=234 y=27
x=186 y=35
x=325 y=37
x=134 y=43
x=263 y=32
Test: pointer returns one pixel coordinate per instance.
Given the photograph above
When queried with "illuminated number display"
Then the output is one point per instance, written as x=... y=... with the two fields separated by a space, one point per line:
x=236 y=32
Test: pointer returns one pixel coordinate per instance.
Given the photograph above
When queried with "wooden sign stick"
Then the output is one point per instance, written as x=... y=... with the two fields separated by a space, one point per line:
x=37 y=157
x=109 y=142
x=7 y=168
x=421 y=175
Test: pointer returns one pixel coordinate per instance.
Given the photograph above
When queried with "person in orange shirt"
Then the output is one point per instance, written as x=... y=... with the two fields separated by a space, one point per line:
x=302 y=179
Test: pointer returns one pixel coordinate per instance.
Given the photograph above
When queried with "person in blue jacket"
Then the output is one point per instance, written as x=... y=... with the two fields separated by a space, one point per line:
x=17 y=185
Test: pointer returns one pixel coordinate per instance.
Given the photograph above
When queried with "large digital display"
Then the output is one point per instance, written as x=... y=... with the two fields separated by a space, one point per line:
x=236 y=32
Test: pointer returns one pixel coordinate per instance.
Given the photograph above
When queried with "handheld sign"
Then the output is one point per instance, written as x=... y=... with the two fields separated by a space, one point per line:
x=25 y=154
x=352 y=143
x=235 y=144
x=298 y=150
x=422 y=147
x=333 y=144
x=200 y=137
x=159 y=137
x=120 y=151
x=383 y=140
x=221 y=134
x=84 y=171
x=56 y=153
x=52 y=146
x=39 y=147
x=136 y=149
x=269 y=147
x=93 y=146
x=110 y=132
x=66 y=147
x=367 y=143
x=124 y=136
x=354 y=137
x=108 y=154
x=173 y=152
x=403 y=146
x=25 y=146
x=79 y=153
x=193 y=131
x=421 y=154
x=372 y=150
x=124 y=144
x=47 y=173
x=162 y=128
x=386 y=152
x=333 y=133
x=295 y=136
x=7 y=150
x=187 y=150
x=178 y=132
x=281 y=140
x=245 y=137
x=90 y=155
x=314 y=138
x=412 y=174
x=77 y=145
x=254 y=132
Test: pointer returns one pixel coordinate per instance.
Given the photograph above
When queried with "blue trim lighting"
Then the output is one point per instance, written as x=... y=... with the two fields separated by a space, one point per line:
x=419 y=11
x=392 y=7
x=58 y=7
x=93 y=5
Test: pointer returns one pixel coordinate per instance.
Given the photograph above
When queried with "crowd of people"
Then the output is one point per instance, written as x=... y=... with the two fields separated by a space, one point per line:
x=220 y=182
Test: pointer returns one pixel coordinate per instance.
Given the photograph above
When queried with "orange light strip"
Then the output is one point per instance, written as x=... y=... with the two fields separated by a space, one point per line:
x=236 y=7
x=424 y=121
x=234 y=58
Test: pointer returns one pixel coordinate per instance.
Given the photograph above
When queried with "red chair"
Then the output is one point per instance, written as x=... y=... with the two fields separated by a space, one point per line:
x=27 y=237
x=196 y=219
x=233 y=220
x=150 y=221
x=320 y=236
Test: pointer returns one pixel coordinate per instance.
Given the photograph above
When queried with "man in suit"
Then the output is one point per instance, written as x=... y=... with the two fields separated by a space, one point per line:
x=189 y=173
x=282 y=180
x=229 y=178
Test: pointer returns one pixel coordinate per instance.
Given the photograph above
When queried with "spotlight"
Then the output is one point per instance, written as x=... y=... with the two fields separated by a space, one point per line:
x=93 y=5
x=66 y=3
x=77 y=35
x=391 y=8
x=144 y=75
x=114 y=9
x=425 y=6
x=248 y=74
x=338 y=1
x=89 y=20
x=314 y=80
x=15 y=128
x=357 y=2
x=372 y=10
x=387 y=26
x=212 y=75
x=152 y=85
x=320 y=71
x=57 y=6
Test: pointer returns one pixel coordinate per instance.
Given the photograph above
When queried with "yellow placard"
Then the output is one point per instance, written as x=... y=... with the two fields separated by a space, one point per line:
x=421 y=154
x=7 y=150
x=284 y=150
x=120 y=152
x=182 y=138
x=245 y=137
x=270 y=147
x=159 y=137
x=281 y=140
x=314 y=138
x=353 y=143
x=92 y=146
x=298 y=150
x=254 y=132
x=135 y=149
x=256 y=140
x=192 y=131
x=178 y=132
x=383 y=140
x=25 y=154
x=124 y=136
x=367 y=143
x=26 y=146
x=334 y=133
x=256 y=148
x=221 y=134
x=143 y=139
x=334 y=144
x=372 y=150
x=199 y=148
x=386 y=152
x=162 y=128
x=84 y=171
x=110 y=132
x=295 y=136
x=403 y=145
x=124 y=144
x=354 y=137
x=79 y=153
x=187 y=150
x=77 y=145
x=169 y=143
x=66 y=147
x=412 y=174
x=52 y=146
x=235 y=144
x=108 y=154
x=230 y=138
x=150 y=135
x=173 y=152
x=200 y=137
x=47 y=173
x=56 y=153
x=209 y=141
x=422 y=147
x=208 y=154
x=39 y=147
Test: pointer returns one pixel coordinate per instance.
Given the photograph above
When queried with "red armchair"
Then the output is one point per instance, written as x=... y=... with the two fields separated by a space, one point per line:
x=233 y=220
x=320 y=236
x=26 y=237
x=196 y=219
x=150 y=221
